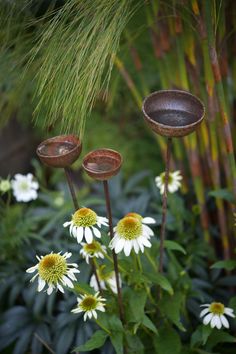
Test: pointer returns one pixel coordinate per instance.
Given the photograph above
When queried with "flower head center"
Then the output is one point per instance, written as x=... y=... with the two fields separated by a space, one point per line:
x=92 y=247
x=84 y=217
x=88 y=303
x=129 y=228
x=135 y=215
x=52 y=267
x=163 y=176
x=24 y=186
x=217 y=308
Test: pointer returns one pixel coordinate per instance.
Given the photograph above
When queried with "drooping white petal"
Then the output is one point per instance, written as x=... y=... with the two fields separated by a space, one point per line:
x=32 y=269
x=88 y=235
x=136 y=246
x=127 y=247
x=60 y=288
x=95 y=314
x=41 y=284
x=67 y=223
x=215 y=322
x=120 y=245
x=204 y=312
x=147 y=230
x=67 y=281
x=208 y=318
x=228 y=311
x=224 y=321
x=79 y=234
x=50 y=289
x=145 y=241
x=96 y=232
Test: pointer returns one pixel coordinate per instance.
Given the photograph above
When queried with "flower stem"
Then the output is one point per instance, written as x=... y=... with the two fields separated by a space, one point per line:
x=164 y=205
x=115 y=261
x=71 y=188
x=119 y=266
x=150 y=259
x=103 y=327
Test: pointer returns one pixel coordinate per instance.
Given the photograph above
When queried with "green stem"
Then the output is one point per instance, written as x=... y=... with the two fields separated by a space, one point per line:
x=103 y=327
x=149 y=258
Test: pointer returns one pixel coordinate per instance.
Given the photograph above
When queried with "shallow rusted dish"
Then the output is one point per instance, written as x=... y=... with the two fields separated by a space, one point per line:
x=59 y=151
x=102 y=164
x=173 y=113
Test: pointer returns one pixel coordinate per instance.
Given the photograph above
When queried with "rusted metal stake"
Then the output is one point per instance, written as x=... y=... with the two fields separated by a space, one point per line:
x=115 y=261
x=76 y=205
x=164 y=205
x=71 y=188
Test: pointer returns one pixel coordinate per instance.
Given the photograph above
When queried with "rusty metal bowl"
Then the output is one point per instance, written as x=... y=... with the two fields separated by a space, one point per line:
x=102 y=164
x=59 y=151
x=173 y=113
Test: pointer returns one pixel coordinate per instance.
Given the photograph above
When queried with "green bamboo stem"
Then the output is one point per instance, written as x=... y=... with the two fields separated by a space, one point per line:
x=215 y=167
x=220 y=92
x=192 y=152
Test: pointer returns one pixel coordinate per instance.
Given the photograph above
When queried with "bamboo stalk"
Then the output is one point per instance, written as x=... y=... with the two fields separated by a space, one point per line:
x=220 y=92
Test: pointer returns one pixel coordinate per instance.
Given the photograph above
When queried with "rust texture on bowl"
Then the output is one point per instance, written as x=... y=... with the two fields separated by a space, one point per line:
x=102 y=164
x=173 y=113
x=59 y=151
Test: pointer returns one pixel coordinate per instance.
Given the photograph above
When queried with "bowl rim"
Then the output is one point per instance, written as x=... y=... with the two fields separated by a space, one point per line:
x=166 y=126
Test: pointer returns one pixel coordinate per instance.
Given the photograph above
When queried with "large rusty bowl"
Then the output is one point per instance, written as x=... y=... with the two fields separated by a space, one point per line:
x=173 y=113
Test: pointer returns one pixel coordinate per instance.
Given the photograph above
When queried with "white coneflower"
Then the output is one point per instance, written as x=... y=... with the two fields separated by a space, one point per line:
x=85 y=223
x=214 y=314
x=173 y=182
x=54 y=271
x=106 y=279
x=130 y=234
x=89 y=304
x=93 y=249
x=24 y=187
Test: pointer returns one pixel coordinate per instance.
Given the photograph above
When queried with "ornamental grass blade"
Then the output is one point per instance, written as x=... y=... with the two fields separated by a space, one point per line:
x=76 y=50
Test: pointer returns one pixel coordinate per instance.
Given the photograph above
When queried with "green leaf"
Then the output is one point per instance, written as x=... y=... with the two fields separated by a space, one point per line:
x=200 y=336
x=149 y=324
x=161 y=280
x=82 y=288
x=135 y=345
x=230 y=264
x=135 y=303
x=168 y=342
x=96 y=341
x=117 y=342
x=115 y=324
x=174 y=246
x=225 y=194
x=219 y=337
x=171 y=306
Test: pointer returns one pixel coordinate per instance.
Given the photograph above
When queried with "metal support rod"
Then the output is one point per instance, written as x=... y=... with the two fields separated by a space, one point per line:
x=164 y=204
x=76 y=205
x=115 y=261
x=71 y=188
